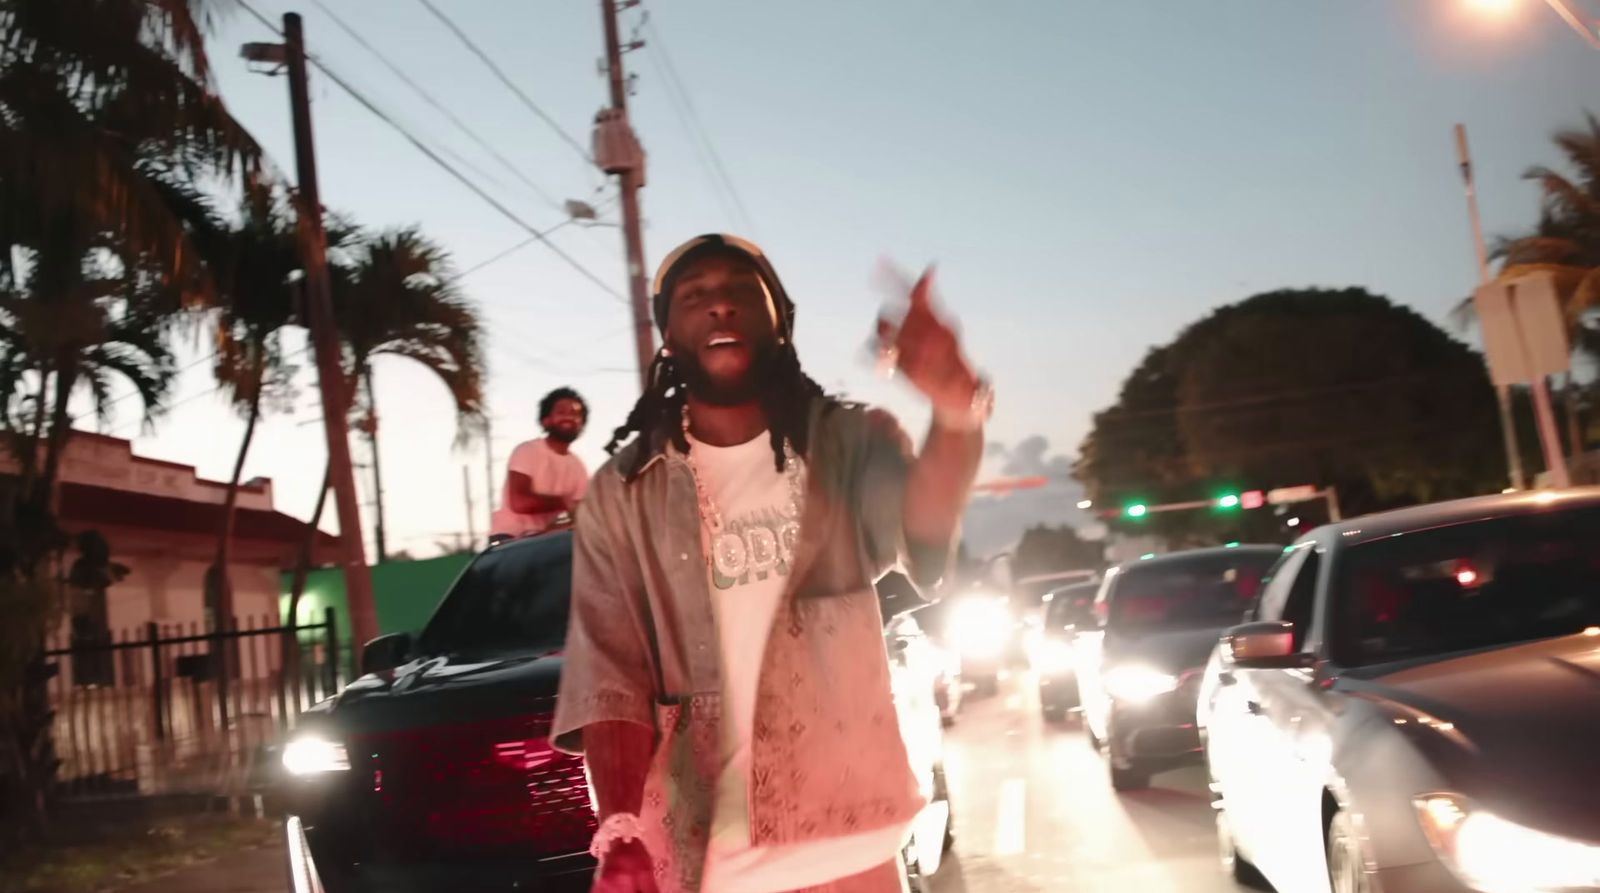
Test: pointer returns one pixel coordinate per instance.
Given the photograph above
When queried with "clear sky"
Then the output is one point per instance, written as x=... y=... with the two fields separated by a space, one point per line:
x=1090 y=176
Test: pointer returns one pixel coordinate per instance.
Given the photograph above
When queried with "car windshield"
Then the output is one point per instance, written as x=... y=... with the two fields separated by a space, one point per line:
x=1201 y=591
x=511 y=599
x=1070 y=606
x=1467 y=587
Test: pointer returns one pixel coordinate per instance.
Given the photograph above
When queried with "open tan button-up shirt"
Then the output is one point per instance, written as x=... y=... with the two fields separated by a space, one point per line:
x=827 y=759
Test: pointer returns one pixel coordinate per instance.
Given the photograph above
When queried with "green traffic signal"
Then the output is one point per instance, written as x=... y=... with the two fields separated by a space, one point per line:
x=1228 y=501
x=1137 y=510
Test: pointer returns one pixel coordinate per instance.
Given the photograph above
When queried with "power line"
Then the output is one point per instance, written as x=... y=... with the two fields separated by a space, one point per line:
x=427 y=97
x=446 y=166
x=510 y=84
x=135 y=393
x=683 y=104
x=492 y=259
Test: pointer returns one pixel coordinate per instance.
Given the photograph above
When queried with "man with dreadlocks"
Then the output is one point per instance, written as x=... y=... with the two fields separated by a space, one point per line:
x=725 y=673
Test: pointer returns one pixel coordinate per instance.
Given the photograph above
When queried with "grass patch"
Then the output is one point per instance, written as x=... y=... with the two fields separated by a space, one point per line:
x=141 y=851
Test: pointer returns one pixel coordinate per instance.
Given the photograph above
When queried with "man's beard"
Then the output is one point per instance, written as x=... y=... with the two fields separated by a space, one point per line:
x=562 y=435
x=748 y=389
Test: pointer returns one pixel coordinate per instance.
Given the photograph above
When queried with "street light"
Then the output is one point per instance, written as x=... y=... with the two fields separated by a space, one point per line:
x=1494 y=7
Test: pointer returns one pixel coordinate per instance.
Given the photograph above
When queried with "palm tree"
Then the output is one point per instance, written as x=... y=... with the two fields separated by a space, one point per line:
x=103 y=104
x=98 y=99
x=1565 y=243
x=70 y=322
x=395 y=295
x=257 y=261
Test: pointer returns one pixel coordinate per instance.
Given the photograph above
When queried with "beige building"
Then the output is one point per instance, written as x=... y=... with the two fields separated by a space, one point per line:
x=161 y=520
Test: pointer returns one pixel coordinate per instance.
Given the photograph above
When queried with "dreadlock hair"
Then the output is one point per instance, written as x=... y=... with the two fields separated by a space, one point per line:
x=786 y=402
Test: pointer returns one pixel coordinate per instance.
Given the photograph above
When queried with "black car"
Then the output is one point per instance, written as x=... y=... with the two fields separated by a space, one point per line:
x=1416 y=707
x=434 y=770
x=1066 y=611
x=1157 y=621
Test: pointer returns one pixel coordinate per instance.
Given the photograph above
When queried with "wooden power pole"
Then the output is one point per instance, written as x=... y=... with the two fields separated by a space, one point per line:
x=330 y=368
x=617 y=151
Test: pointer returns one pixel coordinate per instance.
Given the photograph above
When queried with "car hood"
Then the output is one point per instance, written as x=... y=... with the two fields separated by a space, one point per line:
x=1514 y=728
x=1170 y=651
x=447 y=690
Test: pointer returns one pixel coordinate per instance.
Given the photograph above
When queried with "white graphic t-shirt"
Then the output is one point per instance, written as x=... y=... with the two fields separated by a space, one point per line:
x=552 y=473
x=747 y=580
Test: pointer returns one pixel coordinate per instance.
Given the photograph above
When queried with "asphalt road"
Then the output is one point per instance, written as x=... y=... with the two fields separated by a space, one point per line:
x=1034 y=810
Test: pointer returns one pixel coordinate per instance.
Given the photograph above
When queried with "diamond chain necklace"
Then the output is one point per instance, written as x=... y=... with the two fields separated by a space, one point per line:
x=725 y=544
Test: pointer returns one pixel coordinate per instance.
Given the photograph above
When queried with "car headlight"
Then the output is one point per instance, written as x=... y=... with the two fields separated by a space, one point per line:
x=313 y=755
x=1493 y=855
x=1136 y=685
x=982 y=628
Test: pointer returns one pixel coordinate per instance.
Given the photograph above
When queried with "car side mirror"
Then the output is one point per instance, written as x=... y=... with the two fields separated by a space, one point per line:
x=385 y=652
x=1264 y=645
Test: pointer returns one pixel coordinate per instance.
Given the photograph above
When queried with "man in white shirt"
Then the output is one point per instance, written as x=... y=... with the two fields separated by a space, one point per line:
x=544 y=480
x=725 y=675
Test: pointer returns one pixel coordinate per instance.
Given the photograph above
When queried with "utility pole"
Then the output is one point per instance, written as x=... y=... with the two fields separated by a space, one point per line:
x=488 y=472
x=466 y=488
x=330 y=367
x=1508 y=419
x=617 y=151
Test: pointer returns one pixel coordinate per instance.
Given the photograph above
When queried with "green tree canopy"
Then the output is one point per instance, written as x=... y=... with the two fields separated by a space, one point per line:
x=1315 y=386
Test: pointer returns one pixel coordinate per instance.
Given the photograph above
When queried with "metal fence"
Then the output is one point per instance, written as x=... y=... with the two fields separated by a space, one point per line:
x=174 y=710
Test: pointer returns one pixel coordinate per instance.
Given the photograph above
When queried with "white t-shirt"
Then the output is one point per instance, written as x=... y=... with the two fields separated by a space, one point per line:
x=746 y=592
x=552 y=473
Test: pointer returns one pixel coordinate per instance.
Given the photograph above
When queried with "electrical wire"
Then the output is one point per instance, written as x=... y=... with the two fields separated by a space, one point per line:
x=438 y=106
x=510 y=84
x=492 y=259
x=683 y=105
x=434 y=156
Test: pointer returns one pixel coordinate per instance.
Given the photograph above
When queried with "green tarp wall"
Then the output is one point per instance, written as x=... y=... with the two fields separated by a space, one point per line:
x=406 y=591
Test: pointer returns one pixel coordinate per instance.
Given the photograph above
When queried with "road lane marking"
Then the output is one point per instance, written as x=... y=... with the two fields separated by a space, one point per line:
x=1011 y=828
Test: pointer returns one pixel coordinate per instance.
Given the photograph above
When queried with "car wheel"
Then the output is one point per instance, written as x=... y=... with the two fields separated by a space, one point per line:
x=1071 y=701
x=916 y=881
x=1347 y=864
x=1234 y=865
x=1132 y=778
x=941 y=792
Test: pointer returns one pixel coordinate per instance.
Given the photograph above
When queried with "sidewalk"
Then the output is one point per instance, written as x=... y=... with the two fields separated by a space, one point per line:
x=258 y=870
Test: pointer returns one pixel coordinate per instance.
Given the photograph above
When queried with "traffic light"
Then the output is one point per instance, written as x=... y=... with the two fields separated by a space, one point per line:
x=1137 y=510
x=1228 y=501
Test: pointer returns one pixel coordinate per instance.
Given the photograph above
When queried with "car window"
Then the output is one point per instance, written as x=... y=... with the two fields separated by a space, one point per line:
x=513 y=598
x=1069 y=607
x=1468 y=586
x=1198 y=591
x=1302 y=598
x=1275 y=594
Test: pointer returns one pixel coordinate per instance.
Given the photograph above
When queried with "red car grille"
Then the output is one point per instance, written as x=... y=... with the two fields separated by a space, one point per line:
x=484 y=789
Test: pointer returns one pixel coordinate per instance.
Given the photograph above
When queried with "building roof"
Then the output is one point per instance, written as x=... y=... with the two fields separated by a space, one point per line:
x=93 y=505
